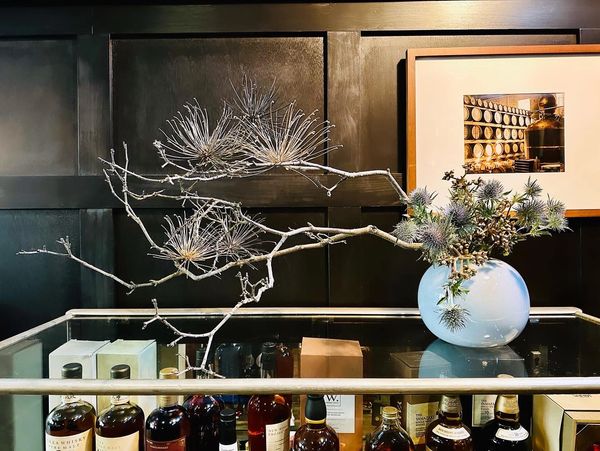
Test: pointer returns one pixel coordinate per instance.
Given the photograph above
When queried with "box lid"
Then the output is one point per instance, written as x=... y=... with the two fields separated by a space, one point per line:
x=126 y=347
x=78 y=347
x=577 y=402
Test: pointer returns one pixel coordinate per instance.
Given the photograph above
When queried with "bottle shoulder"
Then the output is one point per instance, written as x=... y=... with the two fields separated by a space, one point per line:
x=308 y=438
x=122 y=413
x=70 y=410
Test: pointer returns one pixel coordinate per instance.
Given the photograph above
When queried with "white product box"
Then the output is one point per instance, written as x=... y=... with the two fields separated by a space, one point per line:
x=74 y=351
x=141 y=357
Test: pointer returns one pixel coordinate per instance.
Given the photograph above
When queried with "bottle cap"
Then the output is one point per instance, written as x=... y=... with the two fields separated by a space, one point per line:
x=227 y=415
x=315 y=411
x=389 y=413
x=120 y=372
x=451 y=404
x=71 y=371
x=267 y=358
x=168 y=373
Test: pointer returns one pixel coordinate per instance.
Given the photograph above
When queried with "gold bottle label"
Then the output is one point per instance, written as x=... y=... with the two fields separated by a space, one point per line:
x=127 y=443
x=78 y=442
x=451 y=404
x=507 y=404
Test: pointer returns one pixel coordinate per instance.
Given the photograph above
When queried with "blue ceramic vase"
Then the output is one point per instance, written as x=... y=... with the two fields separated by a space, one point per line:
x=497 y=305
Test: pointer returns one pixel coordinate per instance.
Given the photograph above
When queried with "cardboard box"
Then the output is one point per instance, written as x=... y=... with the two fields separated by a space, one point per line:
x=74 y=351
x=418 y=410
x=322 y=357
x=565 y=422
x=141 y=356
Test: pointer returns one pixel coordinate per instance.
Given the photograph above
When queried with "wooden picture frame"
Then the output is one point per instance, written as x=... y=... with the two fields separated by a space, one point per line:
x=436 y=76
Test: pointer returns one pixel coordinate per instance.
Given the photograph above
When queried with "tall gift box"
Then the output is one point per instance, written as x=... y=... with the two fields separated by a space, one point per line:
x=324 y=357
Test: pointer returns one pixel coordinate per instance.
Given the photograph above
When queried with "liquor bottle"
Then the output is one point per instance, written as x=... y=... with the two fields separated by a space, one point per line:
x=268 y=415
x=120 y=426
x=449 y=432
x=315 y=434
x=390 y=436
x=227 y=432
x=204 y=415
x=70 y=425
x=504 y=432
x=168 y=426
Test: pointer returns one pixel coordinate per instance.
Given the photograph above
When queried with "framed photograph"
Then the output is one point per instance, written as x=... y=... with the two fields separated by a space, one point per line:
x=508 y=113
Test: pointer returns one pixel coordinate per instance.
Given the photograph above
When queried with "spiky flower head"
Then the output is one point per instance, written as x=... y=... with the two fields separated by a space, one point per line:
x=453 y=316
x=436 y=237
x=420 y=197
x=530 y=212
x=459 y=214
x=406 y=231
x=554 y=206
x=490 y=190
x=240 y=236
x=532 y=188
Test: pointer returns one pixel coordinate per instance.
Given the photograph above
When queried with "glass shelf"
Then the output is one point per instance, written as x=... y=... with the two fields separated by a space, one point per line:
x=555 y=353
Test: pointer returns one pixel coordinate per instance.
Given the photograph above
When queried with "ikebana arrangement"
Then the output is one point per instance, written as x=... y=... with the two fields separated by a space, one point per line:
x=256 y=133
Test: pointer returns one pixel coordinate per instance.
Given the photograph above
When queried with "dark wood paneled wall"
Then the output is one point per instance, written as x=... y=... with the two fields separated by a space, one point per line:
x=76 y=81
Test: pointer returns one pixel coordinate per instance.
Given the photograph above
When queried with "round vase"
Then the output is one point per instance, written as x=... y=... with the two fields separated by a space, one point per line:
x=497 y=305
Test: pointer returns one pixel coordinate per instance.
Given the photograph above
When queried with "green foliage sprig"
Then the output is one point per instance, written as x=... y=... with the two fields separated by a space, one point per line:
x=481 y=219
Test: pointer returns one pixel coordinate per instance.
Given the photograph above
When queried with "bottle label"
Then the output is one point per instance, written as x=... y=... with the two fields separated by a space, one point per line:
x=512 y=435
x=340 y=412
x=483 y=409
x=127 y=443
x=277 y=436
x=418 y=417
x=451 y=433
x=77 y=442
x=172 y=445
x=232 y=447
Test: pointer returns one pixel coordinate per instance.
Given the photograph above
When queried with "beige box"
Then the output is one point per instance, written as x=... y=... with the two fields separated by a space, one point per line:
x=140 y=355
x=75 y=351
x=418 y=410
x=323 y=357
x=565 y=422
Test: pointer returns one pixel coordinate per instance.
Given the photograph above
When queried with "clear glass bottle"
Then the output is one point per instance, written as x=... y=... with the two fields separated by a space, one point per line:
x=204 y=415
x=448 y=432
x=168 y=426
x=120 y=426
x=70 y=425
x=504 y=432
x=268 y=415
x=390 y=436
x=227 y=432
x=315 y=434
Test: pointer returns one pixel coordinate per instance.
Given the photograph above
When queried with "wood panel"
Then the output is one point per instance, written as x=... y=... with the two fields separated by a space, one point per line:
x=38 y=115
x=383 y=81
x=153 y=78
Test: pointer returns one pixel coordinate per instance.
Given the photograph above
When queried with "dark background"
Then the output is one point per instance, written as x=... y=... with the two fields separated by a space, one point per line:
x=78 y=80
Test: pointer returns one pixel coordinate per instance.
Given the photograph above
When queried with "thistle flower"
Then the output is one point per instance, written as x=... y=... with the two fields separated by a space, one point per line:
x=490 y=190
x=554 y=206
x=406 y=231
x=530 y=212
x=532 y=189
x=458 y=214
x=453 y=316
x=436 y=236
x=556 y=222
x=420 y=197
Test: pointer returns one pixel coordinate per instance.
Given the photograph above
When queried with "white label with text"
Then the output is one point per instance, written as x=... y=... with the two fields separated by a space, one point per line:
x=451 y=433
x=127 y=443
x=77 y=442
x=483 y=409
x=277 y=436
x=512 y=435
x=418 y=417
x=340 y=412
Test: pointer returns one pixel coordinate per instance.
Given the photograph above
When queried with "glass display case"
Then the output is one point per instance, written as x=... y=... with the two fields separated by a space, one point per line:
x=555 y=354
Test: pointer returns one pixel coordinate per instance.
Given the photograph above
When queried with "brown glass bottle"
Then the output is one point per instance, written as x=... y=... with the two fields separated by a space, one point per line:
x=268 y=415
x=448 y=432
x=204 y=415
x=70 y=425
x=504 y=432
x=168 y=426
x=120 y=426
x=390 y=436
x=315 y=434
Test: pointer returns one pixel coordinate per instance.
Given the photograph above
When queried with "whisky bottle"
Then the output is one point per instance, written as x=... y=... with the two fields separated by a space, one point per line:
x=268 y=415
x=70 y=425
x=227 y=433
x=504 y=432
x=390 y=436
x=448 y=432
x=120 y=426
x=168 y=426
x=204 y=415
x=315 y=434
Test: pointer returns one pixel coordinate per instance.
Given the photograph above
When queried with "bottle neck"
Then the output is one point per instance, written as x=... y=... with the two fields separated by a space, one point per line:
x=167 y=400
x=390 y=422
x=267 y=373
x=507 y=408
x=68 y=399
x=227 y=434
x=450 y=409
x=117 y=400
